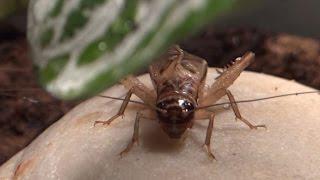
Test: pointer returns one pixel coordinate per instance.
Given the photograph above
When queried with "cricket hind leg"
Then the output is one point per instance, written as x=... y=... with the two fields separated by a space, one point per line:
x=218 y=89
x=162 y=70
x=237 y=112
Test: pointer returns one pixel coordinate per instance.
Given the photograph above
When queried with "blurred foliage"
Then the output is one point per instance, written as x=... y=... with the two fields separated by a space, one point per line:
x=10 y=7
x=82 y=50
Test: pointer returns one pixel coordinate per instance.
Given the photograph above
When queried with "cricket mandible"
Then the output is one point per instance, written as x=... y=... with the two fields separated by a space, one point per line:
x=180 y=94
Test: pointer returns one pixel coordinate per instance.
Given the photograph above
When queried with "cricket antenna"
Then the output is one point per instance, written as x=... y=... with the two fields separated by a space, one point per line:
x=261 y=99
x=23 y=70
x=132 y=101
x=31 y=100
x=20 y=89
x=121 y=99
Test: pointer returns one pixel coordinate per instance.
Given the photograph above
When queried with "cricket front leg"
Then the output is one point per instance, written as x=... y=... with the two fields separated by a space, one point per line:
x=203 y=114
x=135 y=136
x=147 y=95
x=146 y=114
x=237 y=112
x=135 y=87
x=120 y=112
x=208 y=137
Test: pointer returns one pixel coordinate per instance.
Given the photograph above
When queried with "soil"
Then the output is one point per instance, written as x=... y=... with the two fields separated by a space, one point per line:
x=26 y=110
x=288 y=56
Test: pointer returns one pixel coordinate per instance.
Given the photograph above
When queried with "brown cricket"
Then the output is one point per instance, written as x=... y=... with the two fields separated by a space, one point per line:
x=179 y=97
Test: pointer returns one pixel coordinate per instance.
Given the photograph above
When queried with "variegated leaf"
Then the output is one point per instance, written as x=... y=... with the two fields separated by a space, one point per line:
x=81 y=47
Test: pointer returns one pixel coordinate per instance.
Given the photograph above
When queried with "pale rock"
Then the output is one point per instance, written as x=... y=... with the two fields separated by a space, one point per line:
x=73 y=148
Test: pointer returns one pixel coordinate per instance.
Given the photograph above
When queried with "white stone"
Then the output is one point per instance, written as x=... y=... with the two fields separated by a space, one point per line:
x=289 y=149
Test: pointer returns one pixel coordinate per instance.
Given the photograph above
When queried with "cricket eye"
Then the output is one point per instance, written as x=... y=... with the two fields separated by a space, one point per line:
x=188 y=106
x=161 y=105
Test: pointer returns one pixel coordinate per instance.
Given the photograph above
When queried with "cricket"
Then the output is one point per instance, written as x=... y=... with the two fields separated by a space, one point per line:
x=180 y=97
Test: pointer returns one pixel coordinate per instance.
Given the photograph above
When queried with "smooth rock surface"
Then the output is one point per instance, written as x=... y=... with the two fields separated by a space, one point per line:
x=73 y=148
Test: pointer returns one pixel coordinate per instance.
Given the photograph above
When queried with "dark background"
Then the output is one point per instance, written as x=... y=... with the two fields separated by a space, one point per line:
x=301 y=17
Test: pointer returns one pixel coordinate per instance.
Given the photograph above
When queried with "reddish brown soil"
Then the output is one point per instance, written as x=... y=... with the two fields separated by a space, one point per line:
x=21 y=119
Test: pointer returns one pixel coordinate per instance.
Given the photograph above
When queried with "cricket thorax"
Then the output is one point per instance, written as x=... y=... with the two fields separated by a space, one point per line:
x=176 y=112
x=186 y=86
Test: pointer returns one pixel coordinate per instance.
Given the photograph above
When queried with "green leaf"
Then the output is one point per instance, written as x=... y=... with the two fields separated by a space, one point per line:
x=83 y=46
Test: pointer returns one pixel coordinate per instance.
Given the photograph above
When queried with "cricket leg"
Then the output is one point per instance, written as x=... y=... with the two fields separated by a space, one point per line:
x=208 y=137
x=219 y=71
x=147 y=95
x=237 y=112
x=204 y=115
x=135 y=136
x=120 y=112
x=218 y=89
x=135 y=87
x=159 y=72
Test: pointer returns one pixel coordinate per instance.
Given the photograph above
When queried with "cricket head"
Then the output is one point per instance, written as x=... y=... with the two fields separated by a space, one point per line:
x=175 y=114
